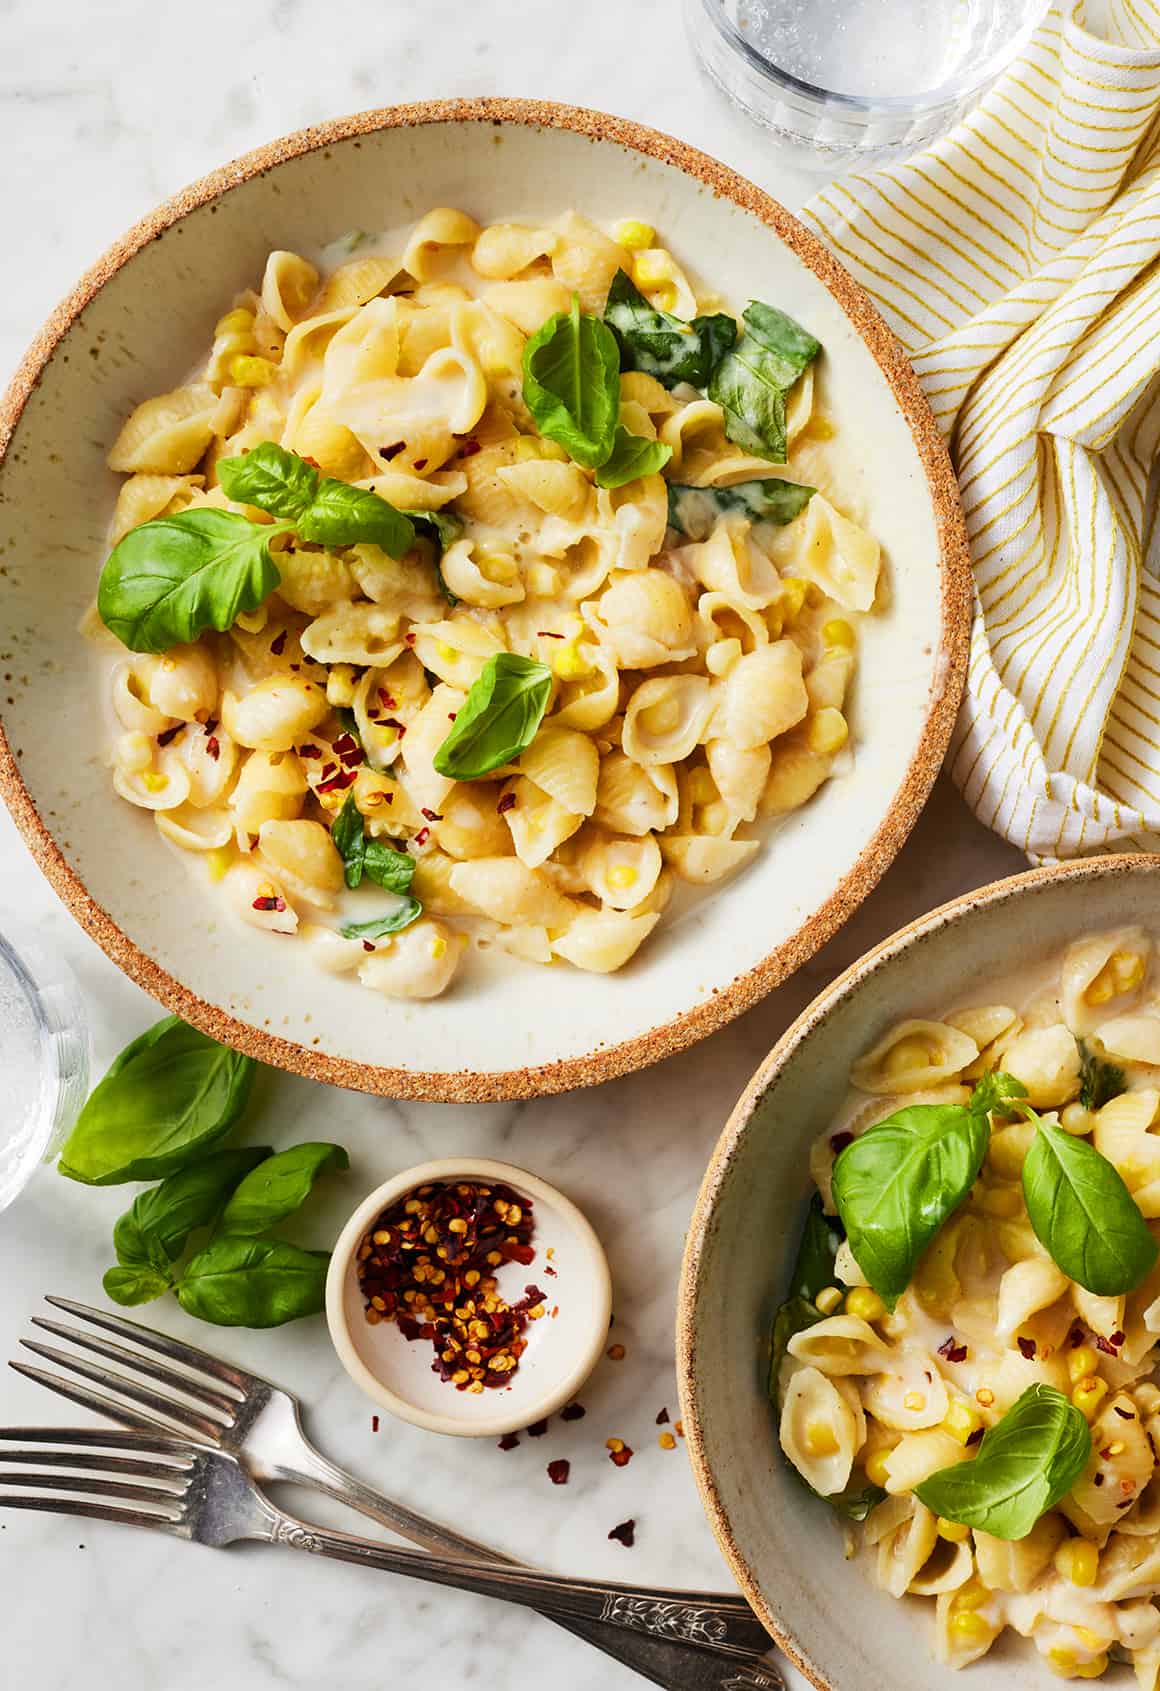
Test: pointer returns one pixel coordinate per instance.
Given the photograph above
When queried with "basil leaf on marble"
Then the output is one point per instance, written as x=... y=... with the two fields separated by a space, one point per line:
x=279 y=1185
x=240 y=1282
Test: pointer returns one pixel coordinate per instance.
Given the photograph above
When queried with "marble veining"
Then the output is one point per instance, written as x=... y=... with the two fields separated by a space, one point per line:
x=105 y=109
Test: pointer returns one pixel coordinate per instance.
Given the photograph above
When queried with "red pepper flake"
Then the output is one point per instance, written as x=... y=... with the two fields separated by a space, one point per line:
x=168 y=735
x=386 y=699
x=420 y=463
x=573 y=1412
x=278 y=644
x=374 y=1423
x=309 y=752
x=621 y=1457
x=389 y=452
x=431 y=815
x=1116 y=1339
x=409 y=639
x=1026 y=1347
x=429 y=1263
x=509 y=1442
x=422 y=836
x=616 y=1353
x=1106 y=1453
x=467 y=448
x=1108 y=1346
x=625 y=1534
x=537 y=1429
x=1097 y=1479
x=559 y=1470
x=976 y=1436
x=1124 y=1414
x=663 y=1418
x=451 y=716
x=344 y=743
x=213 y=747
x=339 y=783
x=548 y=1269
x=210 y=725
x=547 y=634
x=269 y=902
x=368 y=945
x=839 y=1141
x=393 y=722
x=952 y=1352
x=507 y=802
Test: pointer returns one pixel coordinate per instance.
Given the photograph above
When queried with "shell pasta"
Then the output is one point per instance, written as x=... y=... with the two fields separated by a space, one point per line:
x=1031 y=1301
x=393 y=540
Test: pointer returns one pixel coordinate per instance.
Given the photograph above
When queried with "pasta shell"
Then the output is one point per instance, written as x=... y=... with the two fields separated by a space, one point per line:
x=566 y=765
x=1047 y=1061
x=604 y=940
x=703 y=858
x=1102 y=975
x=508 y=891
x=288 y=285
x=166 y=436
x=666 y=718
x=504 y=249
x=815 y=1414
x=419 y=962
x=538 y=823
x=633 y=800
x=913 y=1056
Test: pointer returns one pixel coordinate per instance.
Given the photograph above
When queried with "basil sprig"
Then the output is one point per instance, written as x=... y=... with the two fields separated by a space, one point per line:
x=165 y=1101
x=814 y=1270
x=1083 y=1213
x=632 y=456
x=1026 y=1463
x=278 y=1186
x=157 y=1228
x=379 y=862
x=443 y=528
x=1100 y=1081
x=752 y=381
x=241 y=1282
x=662 y=346
x=499 y=719
x=897 y=1183
x=694 y=510
x=170 y=580
x=406 y=911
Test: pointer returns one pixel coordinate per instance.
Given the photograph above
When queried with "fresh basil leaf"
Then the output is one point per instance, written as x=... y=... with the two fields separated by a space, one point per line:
x=897 y=1183
x=342 y=515
x=499 y=719
x=349 y=836
x=572 y=384
x=856 y=1502
x=394 y=870
x=1100 y=1081
x=1026 y=1463
x=135 y=1285
x=632 y=456
x=240 y=1282
x=662 y=346
x=694 y=510
x=279 y=1186
x=995 y=1091
x=379 y=926
x=1084 y=1214
x=157 y=1228
x=142 y=1043
x=444 y=528
x=271 y=478
x=785 y=341
x=170 y=580
x=158 y=1109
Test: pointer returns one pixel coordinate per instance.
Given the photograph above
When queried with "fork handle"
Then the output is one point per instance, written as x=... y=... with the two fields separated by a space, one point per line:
x=672 y=1665
x=704 y=1620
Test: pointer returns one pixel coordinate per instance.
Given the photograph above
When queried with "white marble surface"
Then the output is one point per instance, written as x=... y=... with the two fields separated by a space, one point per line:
x=106 y=107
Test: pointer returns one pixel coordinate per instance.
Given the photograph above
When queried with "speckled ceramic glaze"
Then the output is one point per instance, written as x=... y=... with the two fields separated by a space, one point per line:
x=783 y=1545
x=138 y=322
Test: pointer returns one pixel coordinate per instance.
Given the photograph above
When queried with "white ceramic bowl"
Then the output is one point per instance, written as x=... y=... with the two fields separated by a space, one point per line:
x=563 y=1348
x=137 y=323
x=783 y=1545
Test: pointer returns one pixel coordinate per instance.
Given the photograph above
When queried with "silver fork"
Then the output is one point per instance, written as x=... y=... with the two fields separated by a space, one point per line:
x=250 y=1417
x=207 y=1496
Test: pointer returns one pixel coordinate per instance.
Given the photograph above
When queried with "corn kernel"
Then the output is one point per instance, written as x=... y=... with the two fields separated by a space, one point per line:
x=553 y=449
x=821 y=1440
x=542 y=580
x=795 y=592
x=154 y=783
x=838 y=633
x=865 y=1304
x=985 y=1396
x=1074 y=1118
x=570 y=664
x=1089 y=1639
x=1127 y=969
x=876 y=1470
x=499 y=567
x=915 y=1402
x=955 y=1531
x=828 y=1299
x=249 y=372
x=827 y=731
x=437 y=946
x=1062 y=1662
x=1077 y=1560
x=1001 y=1201
x=1101 y=989
x=218 y=862
x=1093 y=1669
x=622 y=875
x=652 y=266
x=907 y=1055
x=340 y=685
x=1081 y=1363
x=237 y=322
x=634 y=235
x=665 y=297
x=961 y=1420
x=969 y=1628
x=972 y=1595
x=527 y=449
x=1089 y=1394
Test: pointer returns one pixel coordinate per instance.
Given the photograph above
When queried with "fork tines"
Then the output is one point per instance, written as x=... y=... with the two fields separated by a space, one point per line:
x=157 y=1474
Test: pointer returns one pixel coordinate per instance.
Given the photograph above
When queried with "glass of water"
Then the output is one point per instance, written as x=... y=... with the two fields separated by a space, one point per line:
x=44 y=1056
x=848 y=83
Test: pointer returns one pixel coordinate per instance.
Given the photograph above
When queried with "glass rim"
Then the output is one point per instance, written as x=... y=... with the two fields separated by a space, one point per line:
x=24 y=980
x=947 y=94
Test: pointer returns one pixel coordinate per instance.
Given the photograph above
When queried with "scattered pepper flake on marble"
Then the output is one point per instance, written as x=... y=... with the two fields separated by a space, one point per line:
x=559 y=1470
x=374 y=1423
x=619 y=1452
x=509 y=1442
x=663 y=1418
x=573 y=1412
x=667 y=1441
x=537 y=1429
x=616 y=1353
x=679 y=1429
x=625 y=1534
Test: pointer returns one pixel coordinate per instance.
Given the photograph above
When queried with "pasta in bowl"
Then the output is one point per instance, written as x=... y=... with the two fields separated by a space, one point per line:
x=960 y=1355
x=518 y=618
x=315 y=453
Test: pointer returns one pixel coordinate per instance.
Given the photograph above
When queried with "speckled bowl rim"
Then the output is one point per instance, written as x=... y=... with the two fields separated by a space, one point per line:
x=958 y=909
x=585 y=1356
x=467 y=1086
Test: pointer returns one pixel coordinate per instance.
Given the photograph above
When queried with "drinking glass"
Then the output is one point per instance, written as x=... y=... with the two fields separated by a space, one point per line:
x=44 y=1056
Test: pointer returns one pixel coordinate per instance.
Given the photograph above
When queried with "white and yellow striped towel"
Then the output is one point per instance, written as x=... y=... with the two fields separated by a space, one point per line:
x=1017 y=262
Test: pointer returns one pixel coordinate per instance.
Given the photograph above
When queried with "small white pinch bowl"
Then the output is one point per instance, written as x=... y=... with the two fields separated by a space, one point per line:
x=563 y=1348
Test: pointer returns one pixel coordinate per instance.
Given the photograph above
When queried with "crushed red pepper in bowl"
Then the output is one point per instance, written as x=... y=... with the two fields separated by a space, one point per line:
x=429 y=1263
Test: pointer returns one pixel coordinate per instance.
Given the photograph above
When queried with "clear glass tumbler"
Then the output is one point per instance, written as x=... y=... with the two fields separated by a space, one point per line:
x=44 y=1056
x=844 y=84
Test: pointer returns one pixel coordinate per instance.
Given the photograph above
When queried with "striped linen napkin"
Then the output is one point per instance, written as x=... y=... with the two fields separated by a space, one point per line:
x=1017 y=261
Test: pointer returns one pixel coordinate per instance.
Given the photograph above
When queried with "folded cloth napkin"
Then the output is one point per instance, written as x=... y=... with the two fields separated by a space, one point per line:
x=1017 y=261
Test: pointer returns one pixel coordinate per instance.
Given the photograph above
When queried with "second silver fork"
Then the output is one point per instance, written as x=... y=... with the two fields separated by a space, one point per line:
x=260 y=1423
